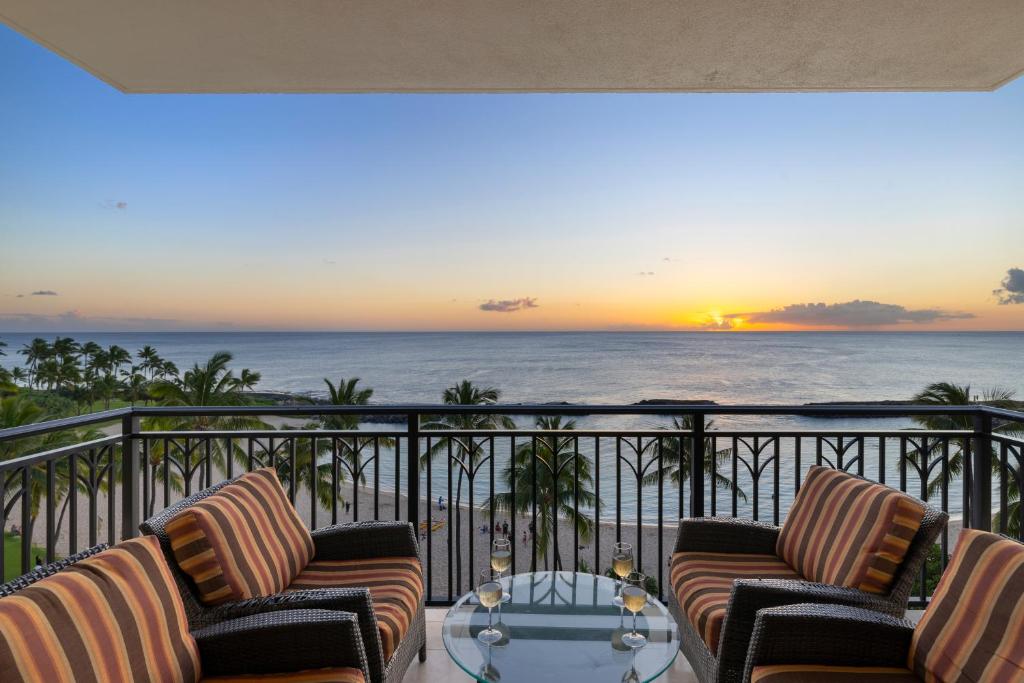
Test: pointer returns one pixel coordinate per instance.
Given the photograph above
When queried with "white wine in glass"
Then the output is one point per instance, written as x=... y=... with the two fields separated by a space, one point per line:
x=622 y=565
x=634 y=597
x=501 y=560
x=488 y=592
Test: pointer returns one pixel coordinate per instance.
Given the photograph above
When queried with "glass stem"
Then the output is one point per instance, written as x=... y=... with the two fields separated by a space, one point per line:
x=489 y=620
x=634 y=623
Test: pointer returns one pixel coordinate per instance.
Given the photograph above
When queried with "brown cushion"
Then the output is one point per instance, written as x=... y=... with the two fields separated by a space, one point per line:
x=395 y=583
x=702 y=583
x=244 y=541
x=816 y=673
x=973 y=629
x=116 y=616
x=845 y=531
x=332 y=675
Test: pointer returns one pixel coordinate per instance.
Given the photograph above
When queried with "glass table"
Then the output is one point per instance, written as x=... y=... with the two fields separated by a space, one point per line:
x=560 y=627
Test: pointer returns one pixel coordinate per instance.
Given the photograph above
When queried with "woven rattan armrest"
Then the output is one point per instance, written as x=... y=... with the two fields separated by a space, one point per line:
x=836 y=635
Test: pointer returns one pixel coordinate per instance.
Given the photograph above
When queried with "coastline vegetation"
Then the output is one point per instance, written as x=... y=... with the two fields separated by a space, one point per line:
x=63 y=377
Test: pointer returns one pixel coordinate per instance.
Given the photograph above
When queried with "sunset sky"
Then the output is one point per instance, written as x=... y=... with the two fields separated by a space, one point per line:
x=488 y=212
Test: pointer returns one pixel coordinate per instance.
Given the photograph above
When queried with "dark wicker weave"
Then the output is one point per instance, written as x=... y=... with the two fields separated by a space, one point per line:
x=833 y=635
x=357 y=540
x=25 y=580
x=727 y=535
x=289 y=639
x=280 y=642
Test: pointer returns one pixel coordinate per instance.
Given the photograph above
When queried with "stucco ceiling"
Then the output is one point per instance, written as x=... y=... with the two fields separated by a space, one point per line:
x=208 y=46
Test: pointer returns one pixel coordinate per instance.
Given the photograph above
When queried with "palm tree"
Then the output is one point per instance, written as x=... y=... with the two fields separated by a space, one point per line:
x=210 y=384
x=34 y=352
x=117 y=356
x=150 y=360
x=18 y=374
x=463 y=393
x=668 y=447
x=48 y=373
x=2 y=345
x=135 y=384
x=248 y=379
x=348 y=393
x=557 y=464
x=949 y=394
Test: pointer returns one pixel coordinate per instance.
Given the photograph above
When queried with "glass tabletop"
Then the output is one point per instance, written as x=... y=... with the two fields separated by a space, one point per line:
x=560 y=626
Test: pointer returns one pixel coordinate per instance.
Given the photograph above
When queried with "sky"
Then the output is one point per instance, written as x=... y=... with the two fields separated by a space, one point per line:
x=891 y=211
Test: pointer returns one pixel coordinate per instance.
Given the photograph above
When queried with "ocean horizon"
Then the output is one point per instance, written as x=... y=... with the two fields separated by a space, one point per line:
x=613 y=368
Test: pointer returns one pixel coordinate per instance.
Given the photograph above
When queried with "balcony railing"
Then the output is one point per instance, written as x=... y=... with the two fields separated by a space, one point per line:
x=575 y=488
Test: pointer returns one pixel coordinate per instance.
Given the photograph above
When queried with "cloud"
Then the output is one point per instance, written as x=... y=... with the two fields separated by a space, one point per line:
x=666 y=259
x=1012 y=290
x=330 y=262
x=509 y=305
x=44 y=292
x=74 y=321
x=727 y=323
x=854 y=313
x=646 y=273
x=116 y=204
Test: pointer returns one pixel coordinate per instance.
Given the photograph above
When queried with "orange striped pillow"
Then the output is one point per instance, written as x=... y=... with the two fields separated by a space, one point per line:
x=973 y=629
x=116 y=616
x=845 y=531
x=244 y=541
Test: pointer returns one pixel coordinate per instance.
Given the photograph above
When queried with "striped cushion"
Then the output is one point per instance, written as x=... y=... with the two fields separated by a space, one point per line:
x=395 y=583
x=973 y=630
x=702 y=583
x=116 y=616
x=244 y=541
x=333 y=675
x=813 y=673
x=845 y=531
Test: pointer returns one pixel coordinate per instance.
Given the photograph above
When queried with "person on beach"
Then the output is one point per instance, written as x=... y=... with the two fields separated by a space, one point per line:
x=504 y=529
x=525 y=541
x=440 y=503
x=497 y=528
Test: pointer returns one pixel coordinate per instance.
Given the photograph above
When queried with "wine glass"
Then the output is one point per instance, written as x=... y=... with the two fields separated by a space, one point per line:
x=634 y=597
x=488 y=592
x=501 y=560
x=622 y=565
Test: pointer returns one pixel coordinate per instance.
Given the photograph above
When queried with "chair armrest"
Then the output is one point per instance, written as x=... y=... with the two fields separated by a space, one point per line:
x=355 y=601
x=828 y=634
x=726 y=535
x=363 y=540
x=281 y=642
x=751 y=595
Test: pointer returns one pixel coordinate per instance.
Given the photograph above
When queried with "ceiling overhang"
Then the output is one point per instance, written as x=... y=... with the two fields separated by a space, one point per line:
x=316 y=46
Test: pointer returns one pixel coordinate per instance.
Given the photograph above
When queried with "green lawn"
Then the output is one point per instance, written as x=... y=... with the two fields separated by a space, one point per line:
x=12 y=556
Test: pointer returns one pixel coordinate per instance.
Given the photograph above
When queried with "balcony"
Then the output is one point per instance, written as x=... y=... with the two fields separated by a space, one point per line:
x=618 y=483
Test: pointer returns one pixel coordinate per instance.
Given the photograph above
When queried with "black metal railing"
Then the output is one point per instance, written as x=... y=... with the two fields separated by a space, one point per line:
x=70 y=483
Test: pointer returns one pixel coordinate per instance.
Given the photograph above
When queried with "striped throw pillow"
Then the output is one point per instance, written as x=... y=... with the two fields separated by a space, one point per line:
x=973 y=630
x=116 y=616
x=845 y=531
x=244 y=541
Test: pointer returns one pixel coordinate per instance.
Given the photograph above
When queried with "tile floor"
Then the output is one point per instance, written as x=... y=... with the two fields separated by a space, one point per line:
x=439 y=668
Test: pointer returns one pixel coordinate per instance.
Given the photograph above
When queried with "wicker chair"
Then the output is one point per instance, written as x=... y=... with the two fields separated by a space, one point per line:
x=359 y=540
x=729 y=535
x=969 y=632
x=291 y=640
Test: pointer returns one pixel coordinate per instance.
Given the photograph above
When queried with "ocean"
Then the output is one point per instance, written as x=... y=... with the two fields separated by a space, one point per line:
x=611 y=367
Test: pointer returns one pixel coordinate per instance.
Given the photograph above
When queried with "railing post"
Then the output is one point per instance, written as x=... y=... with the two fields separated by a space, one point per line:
x=413 y=471
x=697 y=467
x=130 y=427
x=981 y=466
